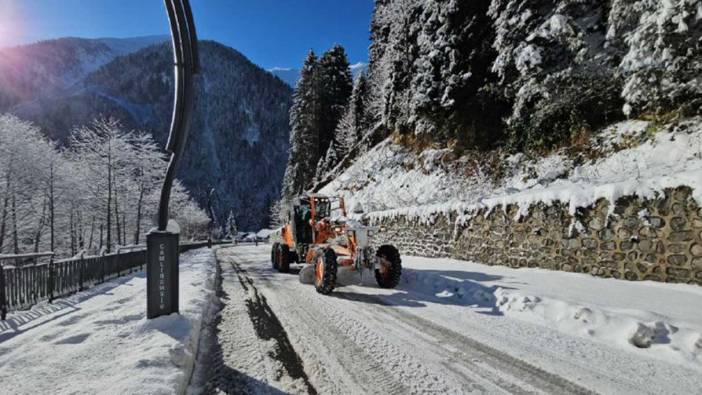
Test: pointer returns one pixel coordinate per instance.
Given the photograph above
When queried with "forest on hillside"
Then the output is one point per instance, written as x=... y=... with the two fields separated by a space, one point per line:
x=97 y=193
x=516 y=75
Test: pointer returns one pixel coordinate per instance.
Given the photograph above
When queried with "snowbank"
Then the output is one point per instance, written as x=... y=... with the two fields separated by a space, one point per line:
x=662 y=321
x=635 y=158
x=99 y=341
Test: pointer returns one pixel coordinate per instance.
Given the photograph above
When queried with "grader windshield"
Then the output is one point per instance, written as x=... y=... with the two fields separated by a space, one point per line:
x=327 y=207
x=323 y=206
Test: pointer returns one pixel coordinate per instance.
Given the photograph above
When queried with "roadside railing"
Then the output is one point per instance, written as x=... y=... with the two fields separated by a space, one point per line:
x=24 y=282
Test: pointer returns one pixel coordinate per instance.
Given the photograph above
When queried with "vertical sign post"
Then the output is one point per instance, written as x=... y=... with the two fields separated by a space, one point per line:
x=161 y=273
x=3 y=301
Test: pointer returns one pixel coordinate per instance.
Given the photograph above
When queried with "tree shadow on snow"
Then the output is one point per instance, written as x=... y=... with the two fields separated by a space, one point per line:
x=417 y=288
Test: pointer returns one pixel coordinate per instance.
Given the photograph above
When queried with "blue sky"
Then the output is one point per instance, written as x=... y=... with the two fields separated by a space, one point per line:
x=272 y=33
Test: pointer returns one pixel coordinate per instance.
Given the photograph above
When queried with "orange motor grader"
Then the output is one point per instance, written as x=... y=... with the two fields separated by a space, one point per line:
x=317 y=232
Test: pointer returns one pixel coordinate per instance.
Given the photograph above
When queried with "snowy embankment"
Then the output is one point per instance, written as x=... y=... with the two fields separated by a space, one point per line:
x=99 y=340
x=661 y=321
x=627 y=158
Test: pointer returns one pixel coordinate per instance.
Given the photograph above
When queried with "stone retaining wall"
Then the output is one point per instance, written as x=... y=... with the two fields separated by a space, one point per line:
x=659 y=239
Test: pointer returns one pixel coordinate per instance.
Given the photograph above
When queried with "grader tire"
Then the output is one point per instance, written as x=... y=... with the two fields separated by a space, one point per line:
x=325 y=271
x=284 y=260
x=390 y=276
x=274 y=255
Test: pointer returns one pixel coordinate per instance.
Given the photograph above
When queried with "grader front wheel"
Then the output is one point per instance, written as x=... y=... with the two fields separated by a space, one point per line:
x=274 y=255
x=284 y=260
x=389 y=269
x=325 y=271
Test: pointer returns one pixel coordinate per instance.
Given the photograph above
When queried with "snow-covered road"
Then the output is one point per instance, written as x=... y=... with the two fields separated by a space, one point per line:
x=276 y=334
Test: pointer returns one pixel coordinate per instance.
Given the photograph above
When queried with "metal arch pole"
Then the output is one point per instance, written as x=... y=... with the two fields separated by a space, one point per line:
x=186 y=65
x=162 y=245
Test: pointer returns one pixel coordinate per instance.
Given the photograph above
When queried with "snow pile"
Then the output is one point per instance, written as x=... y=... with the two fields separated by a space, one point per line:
x=623 y=328
x=99 y=341
x=655 y=320
x=635 y=158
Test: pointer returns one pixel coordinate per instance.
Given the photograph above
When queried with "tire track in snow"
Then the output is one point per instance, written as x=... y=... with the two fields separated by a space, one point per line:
x=341 y=363
x=268 y=327
x=489 y=361
x=339 y=336
x=374 y=347
x=368 y=365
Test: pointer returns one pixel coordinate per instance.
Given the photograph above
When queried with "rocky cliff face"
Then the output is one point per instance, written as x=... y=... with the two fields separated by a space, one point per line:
x=238 y=140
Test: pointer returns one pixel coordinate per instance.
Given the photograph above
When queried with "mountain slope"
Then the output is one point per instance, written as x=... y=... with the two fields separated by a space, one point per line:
x=239 y=132
x=47 y=67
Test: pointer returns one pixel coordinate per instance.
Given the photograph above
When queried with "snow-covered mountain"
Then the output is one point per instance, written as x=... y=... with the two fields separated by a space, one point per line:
x=291 y=75
x=238 y=143
x=286 y=74
x=47 y=67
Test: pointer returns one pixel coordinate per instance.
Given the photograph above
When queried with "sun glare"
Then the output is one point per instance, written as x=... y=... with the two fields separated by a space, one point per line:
x=11 y=30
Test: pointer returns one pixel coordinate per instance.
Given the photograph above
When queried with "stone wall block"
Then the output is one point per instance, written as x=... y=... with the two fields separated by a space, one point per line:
x=665 y=246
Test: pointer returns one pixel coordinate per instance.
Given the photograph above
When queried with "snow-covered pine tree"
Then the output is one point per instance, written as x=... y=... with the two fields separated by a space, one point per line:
x=554 y=69
x=662 y=55
x=430 y=69
x=231 y=225
x=337 y=84
x=277 y=214
x=337 y=87
x=355 y=120
x=350 y=129
x=305 y=132
x=328 y=162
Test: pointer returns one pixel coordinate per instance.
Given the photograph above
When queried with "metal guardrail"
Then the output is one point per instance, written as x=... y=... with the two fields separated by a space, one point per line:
x=22 y=286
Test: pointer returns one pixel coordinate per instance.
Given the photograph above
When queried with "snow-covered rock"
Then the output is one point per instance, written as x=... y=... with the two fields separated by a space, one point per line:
x=630 y=158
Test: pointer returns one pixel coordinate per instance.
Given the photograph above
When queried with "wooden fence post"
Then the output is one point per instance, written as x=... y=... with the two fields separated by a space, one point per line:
x=3 y=301
x=102 y=269
x=81 y=277
x=52 y=279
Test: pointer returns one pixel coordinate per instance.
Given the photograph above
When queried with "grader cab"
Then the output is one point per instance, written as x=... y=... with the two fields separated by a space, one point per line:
x=318 y=233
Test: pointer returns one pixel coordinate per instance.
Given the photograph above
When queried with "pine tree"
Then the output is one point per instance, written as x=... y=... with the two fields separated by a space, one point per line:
x=337 y=85
x=660 y=43
x=305 y=126
x=231 y=225
x=355 y=121
x=329 y=161
x=319 y=102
